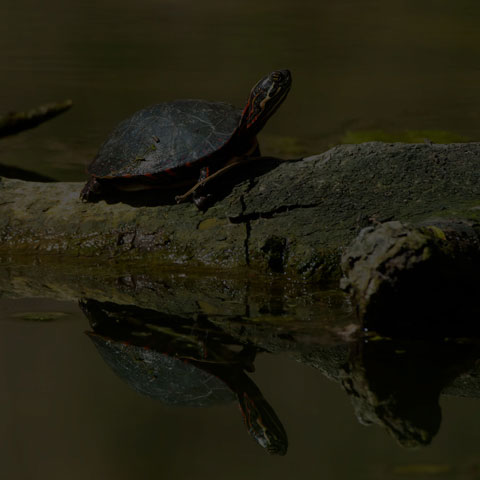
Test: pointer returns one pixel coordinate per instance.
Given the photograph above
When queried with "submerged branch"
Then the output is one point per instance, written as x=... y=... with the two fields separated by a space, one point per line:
x=16 y=122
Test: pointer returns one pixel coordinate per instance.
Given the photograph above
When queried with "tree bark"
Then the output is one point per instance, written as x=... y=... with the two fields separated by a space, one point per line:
x=292 y=217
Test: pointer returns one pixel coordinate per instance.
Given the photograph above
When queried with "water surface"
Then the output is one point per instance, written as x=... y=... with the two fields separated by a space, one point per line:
x=71 y=408
x=367 y=65
x=357 y=66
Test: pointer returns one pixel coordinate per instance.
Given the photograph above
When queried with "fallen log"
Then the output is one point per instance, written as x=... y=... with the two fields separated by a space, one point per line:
x=416 y=280
x=289 y=217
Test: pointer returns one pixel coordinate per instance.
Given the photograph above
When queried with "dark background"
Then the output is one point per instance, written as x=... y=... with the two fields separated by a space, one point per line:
x=358 y=66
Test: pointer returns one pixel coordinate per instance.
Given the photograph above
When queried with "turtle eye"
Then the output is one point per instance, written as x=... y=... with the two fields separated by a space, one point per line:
x=276 y=77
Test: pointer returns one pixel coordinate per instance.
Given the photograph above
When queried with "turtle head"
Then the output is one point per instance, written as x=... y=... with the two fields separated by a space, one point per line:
x=262 y=422
x=266 y=96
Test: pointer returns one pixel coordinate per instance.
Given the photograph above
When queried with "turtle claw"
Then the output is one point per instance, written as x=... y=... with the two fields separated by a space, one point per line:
x=202 y=201
x=91 y=190
x=181 y=198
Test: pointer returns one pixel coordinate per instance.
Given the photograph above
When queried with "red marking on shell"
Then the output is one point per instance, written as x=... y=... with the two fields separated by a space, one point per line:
x=127 y=175
x=150 y=175
x=169 y=171
x=188 y=164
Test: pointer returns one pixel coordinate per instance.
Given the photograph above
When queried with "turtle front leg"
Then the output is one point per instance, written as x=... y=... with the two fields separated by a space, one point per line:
x=205 y=177
x=91 y=190
x=195 y=192
x=200 y=199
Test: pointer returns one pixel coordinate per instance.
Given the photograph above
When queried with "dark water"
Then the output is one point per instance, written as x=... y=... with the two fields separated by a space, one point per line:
x=79 y=405
x=360 y=66
x=357 y=66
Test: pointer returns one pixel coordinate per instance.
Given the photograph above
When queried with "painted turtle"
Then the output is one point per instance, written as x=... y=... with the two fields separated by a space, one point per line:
x=184 y=143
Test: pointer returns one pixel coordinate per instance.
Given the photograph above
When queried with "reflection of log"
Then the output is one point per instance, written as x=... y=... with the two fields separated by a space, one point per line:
x=254 y=311
x=397 y=384
x=394 y=382
x=16 y=122
x=294 y=218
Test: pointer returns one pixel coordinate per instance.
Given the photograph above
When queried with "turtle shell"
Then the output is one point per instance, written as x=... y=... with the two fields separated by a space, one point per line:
x=165 y=137
x=171 y=380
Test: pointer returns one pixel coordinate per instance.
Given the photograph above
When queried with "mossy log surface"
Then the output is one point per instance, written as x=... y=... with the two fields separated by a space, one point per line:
x=296 y=218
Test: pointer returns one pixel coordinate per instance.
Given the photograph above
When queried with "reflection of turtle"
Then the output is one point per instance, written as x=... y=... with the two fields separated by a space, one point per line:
x=169 y=379
x=157 y=358
x=177 y=144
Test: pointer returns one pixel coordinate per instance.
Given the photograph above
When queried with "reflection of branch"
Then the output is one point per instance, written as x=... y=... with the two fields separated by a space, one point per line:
x=16 y=122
